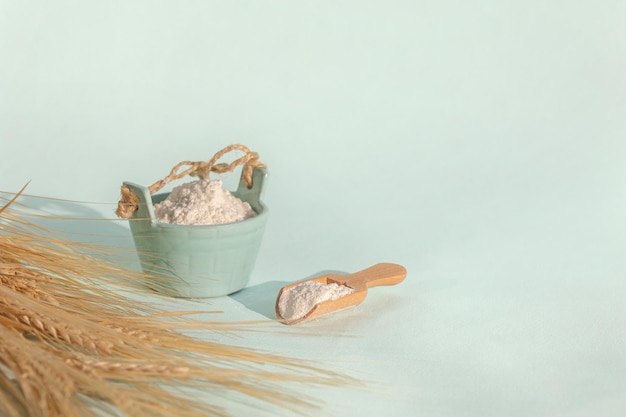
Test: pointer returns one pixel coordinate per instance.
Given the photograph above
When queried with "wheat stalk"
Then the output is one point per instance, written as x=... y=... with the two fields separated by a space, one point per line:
x=47 y=327
x=32 y=372
x=73 y=345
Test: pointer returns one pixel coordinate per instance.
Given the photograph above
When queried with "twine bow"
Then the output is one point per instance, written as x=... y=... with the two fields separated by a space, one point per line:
x=129 y=202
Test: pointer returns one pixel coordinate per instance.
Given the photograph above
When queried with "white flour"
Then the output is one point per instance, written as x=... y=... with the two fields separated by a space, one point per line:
x=202 y=202
x=295 y=302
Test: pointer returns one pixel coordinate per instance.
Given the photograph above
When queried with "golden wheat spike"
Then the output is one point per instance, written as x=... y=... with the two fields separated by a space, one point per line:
x=70 y=345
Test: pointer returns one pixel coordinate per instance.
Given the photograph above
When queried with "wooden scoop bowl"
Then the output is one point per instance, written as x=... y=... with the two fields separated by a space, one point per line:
x=379 y=274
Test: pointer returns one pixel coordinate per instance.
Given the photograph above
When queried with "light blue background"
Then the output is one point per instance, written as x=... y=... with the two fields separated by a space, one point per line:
x=481 y=144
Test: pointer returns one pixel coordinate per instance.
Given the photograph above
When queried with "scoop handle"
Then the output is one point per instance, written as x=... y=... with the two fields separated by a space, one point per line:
x=379 y=274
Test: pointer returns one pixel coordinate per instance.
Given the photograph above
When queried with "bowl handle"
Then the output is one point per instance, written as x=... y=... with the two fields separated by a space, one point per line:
x=254 y=194
x=145 y=209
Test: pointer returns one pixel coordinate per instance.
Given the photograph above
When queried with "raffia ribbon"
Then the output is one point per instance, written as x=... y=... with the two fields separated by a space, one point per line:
x=129 y=202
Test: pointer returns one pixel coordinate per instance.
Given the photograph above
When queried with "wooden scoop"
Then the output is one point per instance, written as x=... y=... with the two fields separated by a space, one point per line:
x=379 y=274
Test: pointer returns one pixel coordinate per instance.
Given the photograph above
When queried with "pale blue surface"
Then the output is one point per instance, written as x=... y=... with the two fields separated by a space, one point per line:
x=480 y=144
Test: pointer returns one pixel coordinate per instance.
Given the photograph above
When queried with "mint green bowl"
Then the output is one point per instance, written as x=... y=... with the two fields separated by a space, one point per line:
x=199 y=261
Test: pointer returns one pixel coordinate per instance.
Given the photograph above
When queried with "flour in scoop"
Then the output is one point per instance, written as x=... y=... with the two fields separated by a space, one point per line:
x=296 y=302
x=202 y=202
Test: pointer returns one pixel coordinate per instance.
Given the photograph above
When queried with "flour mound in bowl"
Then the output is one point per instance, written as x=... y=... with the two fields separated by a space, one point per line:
x=202 y=202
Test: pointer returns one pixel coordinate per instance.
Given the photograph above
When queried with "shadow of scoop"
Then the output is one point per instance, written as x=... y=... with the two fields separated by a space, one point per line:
x=260 y=298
